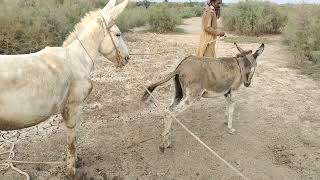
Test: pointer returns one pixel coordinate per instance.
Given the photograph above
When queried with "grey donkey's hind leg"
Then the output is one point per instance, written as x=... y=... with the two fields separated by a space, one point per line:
x=178 y=93
x=176 y=101
x=230 y=109
x=166 y=135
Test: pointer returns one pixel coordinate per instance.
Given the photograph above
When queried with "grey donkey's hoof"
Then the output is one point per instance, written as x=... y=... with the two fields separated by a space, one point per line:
x=161 y=148
x=164 y=146
x=231 y=131
x=71 y=174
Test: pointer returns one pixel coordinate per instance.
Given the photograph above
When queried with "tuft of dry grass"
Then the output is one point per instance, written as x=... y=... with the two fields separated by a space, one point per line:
x=247 y=39
x=38 y=23
x=252 y=17
x=302 y=35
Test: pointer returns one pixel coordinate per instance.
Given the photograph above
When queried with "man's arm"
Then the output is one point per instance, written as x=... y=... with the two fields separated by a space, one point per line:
x=208 y=25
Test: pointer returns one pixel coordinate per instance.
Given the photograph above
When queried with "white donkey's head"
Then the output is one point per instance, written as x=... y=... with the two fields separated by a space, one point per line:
x=112 y=46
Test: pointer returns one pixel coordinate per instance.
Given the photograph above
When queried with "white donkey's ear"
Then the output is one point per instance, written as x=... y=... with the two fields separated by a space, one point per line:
x=112 y=14
x=109 y=6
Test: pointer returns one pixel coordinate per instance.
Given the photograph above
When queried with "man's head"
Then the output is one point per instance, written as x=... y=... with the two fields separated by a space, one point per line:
x=215 y=5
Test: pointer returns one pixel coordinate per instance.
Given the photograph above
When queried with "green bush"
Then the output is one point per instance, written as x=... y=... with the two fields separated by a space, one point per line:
x=198 y=11
x=302 y=32
x=28 y=26
x=187 y=9
x=47 y=23
x=163 y=19
x=253 y=18
x=188 y=12
x=40 y=23
x=132 y=17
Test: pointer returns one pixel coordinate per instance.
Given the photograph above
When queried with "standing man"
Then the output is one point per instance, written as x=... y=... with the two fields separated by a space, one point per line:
x=209 y=31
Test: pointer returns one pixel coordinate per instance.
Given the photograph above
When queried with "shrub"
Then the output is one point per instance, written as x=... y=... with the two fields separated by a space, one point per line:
x=144 y=3
x=163 y=19
x=198 y=11
x=134 y=16
x=187 y=9
x=47 y=23
x=302 y=32
x=37 y=24
x=253 y=18
x=188 y=12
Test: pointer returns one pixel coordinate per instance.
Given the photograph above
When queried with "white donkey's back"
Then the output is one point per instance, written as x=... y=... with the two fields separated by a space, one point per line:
x=34 y=87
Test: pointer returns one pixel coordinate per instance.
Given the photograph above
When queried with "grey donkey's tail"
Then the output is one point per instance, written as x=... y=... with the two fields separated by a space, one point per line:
x=153 y=86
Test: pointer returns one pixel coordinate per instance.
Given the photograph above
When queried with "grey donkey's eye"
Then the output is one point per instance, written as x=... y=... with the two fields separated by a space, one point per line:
x=118 y=35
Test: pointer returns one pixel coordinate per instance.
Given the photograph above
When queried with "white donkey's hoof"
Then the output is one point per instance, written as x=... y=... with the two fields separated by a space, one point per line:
x=232 y=131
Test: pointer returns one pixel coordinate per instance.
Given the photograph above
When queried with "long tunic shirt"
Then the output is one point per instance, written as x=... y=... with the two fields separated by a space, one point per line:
x=208 y=34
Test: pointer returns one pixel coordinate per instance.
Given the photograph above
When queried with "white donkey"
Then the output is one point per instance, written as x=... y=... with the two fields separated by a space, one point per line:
x=56 y=79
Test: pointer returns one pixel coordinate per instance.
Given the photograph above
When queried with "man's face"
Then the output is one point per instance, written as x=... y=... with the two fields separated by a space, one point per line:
x=216 y=3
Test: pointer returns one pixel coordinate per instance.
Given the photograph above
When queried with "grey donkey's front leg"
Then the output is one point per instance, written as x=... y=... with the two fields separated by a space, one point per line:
x=230 y=109
x=70 y=115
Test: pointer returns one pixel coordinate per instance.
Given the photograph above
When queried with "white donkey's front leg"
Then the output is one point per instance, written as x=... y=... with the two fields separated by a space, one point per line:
x=70 y=115
x=78 y=92
x=230 y=109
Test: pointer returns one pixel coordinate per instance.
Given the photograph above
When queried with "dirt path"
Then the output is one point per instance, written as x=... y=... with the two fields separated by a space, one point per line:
x=276 y=118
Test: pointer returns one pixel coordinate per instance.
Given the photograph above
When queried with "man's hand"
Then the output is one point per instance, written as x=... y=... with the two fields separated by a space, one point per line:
x=221 y=34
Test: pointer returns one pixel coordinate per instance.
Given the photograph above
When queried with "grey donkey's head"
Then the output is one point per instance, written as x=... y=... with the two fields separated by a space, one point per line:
x=249 y=63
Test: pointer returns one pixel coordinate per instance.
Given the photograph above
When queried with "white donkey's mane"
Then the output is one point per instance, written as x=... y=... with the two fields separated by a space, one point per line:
x=80 y=26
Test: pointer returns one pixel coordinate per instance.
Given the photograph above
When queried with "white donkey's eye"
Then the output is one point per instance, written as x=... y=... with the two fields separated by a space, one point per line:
x=118 y=34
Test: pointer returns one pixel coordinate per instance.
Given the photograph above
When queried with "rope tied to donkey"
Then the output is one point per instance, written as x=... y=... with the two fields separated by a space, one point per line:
x=8 y=163
x=158 y=104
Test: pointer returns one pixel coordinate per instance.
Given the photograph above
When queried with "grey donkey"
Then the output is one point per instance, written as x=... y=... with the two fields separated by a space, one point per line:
x=197 y=77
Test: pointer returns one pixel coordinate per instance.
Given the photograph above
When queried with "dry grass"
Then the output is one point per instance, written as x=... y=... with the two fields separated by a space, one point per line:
x=253 y=18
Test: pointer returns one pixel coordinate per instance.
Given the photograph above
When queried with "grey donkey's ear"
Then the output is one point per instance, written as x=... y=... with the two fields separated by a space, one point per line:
x=259 y=51
x=239 y=49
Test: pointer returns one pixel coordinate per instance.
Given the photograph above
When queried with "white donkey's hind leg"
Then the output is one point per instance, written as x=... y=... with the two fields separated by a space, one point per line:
x=70 y=116
x=230 y=109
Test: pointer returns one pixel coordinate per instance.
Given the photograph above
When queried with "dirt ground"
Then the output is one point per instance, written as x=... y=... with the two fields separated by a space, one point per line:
x=276 y=118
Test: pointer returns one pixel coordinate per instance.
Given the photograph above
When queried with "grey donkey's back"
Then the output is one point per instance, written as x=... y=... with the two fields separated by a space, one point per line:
x=204 y=72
